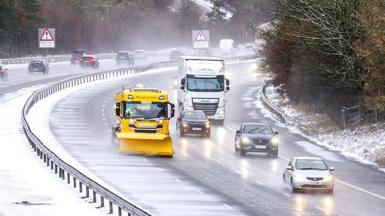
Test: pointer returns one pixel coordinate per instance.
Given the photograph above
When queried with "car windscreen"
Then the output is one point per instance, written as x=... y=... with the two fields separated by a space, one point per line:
x=145 y=110
x=87 y=58
x=310 y=164
x=36 y=62
x=205 y=84
x=123 y=54
x=194 y=115
x=78 y=51
x=257 y=129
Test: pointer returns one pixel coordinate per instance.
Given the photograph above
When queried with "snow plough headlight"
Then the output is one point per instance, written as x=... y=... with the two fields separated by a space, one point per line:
x=160 y=122
x=185 y=125
x=131 y=122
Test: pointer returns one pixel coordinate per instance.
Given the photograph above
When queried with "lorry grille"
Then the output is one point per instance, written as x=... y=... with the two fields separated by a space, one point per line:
x=208 y=108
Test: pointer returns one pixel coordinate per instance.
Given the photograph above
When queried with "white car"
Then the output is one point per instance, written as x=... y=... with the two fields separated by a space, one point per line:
x=309 y=173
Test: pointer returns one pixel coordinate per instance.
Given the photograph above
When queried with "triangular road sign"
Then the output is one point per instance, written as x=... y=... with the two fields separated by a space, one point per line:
x=200 y=37
x=46 y=36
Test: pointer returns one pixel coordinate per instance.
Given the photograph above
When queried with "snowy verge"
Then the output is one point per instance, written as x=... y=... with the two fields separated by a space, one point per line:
x=26 y=187
x=365 y=144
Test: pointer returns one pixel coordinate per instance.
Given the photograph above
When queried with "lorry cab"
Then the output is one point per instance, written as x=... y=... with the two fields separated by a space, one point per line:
x=202 y=85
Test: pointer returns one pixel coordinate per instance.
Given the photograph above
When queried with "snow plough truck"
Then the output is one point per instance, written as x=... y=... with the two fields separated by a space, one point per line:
x=143 y=116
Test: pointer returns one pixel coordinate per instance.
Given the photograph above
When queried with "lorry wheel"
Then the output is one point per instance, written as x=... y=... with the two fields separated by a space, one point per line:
x=182 y=133
x=114 y=139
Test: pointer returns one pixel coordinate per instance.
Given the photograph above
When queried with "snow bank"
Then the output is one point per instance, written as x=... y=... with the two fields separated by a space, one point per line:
x=365 y=144
x=26 y=186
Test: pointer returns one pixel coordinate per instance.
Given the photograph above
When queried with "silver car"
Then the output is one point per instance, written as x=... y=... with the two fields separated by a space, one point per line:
x=309 y=173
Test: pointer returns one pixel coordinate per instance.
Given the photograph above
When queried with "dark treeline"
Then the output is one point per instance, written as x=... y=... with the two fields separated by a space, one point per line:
x=329 y=53
x=110 y=25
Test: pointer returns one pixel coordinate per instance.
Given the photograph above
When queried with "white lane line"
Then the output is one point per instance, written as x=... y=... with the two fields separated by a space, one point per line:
x=201 y=192
x=360 y=189
x=160 y=169
x=105 y=124
x=229 y=128
x=178 y=180
x=260 y=183
x=319 y=208
x=145 y=159
x=286 y=194
x=227 y=205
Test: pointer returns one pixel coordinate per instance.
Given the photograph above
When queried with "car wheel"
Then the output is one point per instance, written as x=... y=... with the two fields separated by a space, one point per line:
x=235 y=148
x=273 y=153
x=292 y=187
x=208 y=134
x=243 y=152
x=330 y=191
x=182 y=134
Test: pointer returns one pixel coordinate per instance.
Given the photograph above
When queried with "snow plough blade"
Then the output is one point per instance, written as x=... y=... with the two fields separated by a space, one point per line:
x=145 y=144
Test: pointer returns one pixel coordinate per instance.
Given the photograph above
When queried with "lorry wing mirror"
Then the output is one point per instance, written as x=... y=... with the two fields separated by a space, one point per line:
x=172 y=110
x=227 y=82
x=182 y=87
x=238 y=131
x=182 y=81
x=227 y=88
x=117 y=109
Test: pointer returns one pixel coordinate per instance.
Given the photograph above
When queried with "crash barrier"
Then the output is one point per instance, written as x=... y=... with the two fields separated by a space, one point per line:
x=271 y=106
x=64 y=169
x=62 y=58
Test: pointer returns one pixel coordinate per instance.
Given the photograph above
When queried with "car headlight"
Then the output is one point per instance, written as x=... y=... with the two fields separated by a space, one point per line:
x=246 y=140
x=329 y=178
x=300 y=178
x=184 y=125
x=207 y=124
x=221 y=112
x=274 y=141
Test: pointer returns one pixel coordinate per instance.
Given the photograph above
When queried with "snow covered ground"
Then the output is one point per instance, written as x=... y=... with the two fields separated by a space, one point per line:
x=365 y=144
x=26 y=186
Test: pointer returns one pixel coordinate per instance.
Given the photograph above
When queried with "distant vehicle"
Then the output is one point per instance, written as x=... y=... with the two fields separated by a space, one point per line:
x=256 y=137
x=226 y=45
x=89 y=61
x=139 y=54
x=3 y=73
x=175 y=54
x=125 y=57
x=309 y=173
x=38 y=65
x=193 y=122
x=77 y=54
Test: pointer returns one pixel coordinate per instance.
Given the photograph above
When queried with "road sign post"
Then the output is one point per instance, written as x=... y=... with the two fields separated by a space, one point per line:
x=46 y=37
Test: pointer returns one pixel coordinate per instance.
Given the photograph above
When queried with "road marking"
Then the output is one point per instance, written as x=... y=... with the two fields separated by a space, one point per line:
x=258 y=182
x=201 y=192
x=286 y=194
x=145 y=159
x=319 y=208
x=360 y=189
x=227 y=205
x=178 y=180
x=229 y=128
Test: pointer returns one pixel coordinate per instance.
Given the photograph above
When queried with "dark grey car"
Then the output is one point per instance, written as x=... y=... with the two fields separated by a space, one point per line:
x=193 y=122
x=38 y=66
x=256 y=137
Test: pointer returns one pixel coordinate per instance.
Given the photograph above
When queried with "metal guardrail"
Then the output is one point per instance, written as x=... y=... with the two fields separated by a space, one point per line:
x=271 y=106
x=68 y=172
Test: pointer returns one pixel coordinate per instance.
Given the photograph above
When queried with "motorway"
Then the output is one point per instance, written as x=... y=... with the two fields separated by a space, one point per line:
x=206 y=177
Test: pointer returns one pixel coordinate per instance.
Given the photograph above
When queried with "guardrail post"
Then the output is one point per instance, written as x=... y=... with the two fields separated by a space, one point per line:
x=80 y=187
x=101 y=201
x=74 y=181
x=119 y=211
x=343 y=117
x=68 y=178
x=93 y=196
x=87 y=192
x=111 y=208
x=55 y=168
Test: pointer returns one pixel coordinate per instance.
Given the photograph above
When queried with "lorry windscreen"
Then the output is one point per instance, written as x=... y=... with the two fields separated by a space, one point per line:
x=145 y=110
x=205 y=84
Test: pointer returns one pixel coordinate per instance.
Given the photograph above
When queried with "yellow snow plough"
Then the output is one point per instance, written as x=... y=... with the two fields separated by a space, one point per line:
x=143 y=116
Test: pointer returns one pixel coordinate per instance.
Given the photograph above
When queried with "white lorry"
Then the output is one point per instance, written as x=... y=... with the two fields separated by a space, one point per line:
x=202 y=85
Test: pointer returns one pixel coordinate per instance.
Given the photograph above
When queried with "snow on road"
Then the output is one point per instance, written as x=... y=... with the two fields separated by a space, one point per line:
x=26 y=186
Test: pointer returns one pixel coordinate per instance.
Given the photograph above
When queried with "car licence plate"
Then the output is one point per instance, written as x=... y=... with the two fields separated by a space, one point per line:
x=197 y=129
x=259 y=147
